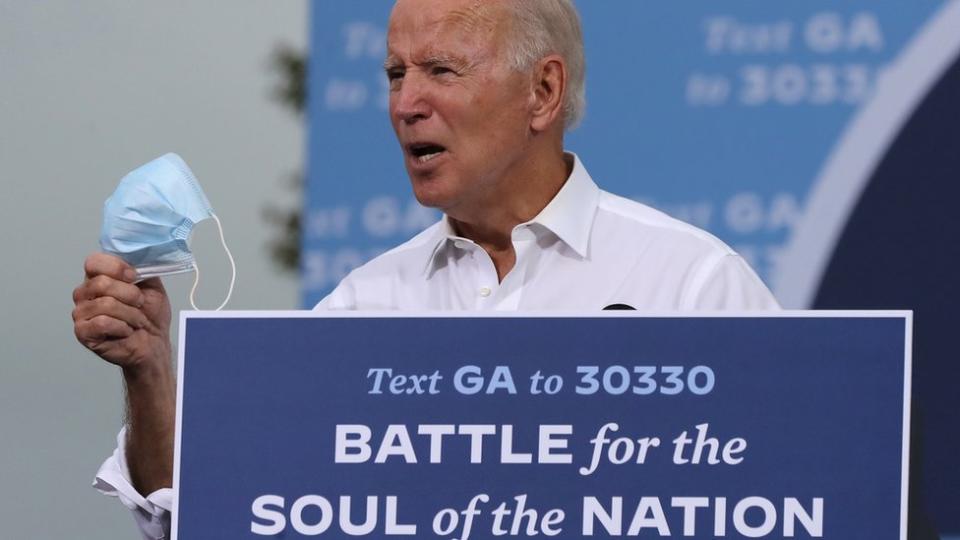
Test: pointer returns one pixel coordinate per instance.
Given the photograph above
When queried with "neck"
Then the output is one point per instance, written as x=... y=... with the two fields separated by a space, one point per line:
x=523 y=193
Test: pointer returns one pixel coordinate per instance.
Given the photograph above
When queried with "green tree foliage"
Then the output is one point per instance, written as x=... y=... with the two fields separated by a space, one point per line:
x=290 y=65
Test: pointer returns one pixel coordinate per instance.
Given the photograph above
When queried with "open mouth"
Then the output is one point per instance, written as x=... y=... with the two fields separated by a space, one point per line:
x=425 y=152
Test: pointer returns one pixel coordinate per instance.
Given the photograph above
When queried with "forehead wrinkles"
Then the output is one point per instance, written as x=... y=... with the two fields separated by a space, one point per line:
x=478 y=18
x=477 y=26
x=474 y=33
x=489 y=22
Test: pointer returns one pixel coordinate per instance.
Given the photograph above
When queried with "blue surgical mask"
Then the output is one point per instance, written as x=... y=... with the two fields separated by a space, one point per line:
x=148 y=220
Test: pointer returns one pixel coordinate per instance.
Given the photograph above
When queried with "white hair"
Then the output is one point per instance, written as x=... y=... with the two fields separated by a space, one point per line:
x=544 y=27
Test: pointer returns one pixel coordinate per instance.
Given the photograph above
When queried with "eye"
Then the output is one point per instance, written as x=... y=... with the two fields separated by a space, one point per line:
x=394 y=76
x=441 y=70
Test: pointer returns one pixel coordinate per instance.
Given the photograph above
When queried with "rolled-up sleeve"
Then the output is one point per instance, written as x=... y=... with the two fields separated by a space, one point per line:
x=151 y=513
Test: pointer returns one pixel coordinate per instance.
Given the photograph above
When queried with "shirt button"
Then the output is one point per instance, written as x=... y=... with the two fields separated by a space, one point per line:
x=484 y=292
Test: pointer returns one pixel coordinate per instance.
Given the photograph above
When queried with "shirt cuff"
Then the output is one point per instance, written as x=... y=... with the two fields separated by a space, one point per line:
x=152 y=513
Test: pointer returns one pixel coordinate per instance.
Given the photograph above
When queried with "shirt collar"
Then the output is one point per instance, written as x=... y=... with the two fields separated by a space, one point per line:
x=569 y=215
x=445 y=235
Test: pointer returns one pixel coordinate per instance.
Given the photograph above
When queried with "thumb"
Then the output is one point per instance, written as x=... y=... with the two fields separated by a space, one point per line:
x=153 y=283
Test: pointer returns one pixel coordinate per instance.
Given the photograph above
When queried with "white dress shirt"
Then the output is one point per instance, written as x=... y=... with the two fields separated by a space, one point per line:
x=587 y=249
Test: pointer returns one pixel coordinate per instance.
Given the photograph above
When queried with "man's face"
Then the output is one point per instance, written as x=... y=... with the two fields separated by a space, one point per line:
x=461 y=114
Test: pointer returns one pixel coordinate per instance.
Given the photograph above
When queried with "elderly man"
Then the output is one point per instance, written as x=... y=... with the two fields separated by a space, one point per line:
x=481 y=93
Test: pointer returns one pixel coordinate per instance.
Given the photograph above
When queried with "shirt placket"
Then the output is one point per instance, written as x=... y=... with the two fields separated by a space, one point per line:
x=510 y=290
x=477 y=281
x=487 y=285
x=488 y=292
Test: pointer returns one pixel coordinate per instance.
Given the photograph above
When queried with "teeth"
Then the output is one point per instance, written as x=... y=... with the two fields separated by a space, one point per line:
x=428 y=157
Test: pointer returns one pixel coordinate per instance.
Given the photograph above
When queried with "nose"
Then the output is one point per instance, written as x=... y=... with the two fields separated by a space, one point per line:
x=411 y=102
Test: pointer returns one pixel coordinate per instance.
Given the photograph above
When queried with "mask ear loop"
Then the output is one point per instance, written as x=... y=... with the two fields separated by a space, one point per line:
x=233 y=270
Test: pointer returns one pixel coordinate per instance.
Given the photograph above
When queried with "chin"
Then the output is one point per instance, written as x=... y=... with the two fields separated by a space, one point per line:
x=432 y=200
x=432 y=192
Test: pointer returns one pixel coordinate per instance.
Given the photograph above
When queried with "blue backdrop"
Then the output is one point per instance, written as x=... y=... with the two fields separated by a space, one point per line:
x=817 y=138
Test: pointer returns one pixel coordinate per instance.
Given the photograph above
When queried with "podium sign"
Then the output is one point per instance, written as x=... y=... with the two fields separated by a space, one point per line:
x=299 y=425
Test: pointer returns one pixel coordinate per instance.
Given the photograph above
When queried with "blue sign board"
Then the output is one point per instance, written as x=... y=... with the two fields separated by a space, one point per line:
x=297 y=424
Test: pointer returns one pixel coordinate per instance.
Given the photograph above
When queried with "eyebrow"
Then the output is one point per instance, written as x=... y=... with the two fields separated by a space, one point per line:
x=435 y=59
x=393 y=62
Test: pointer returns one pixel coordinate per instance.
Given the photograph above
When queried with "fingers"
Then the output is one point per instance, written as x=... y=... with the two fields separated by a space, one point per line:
x=109 y=265
x=102 y=285
x=153 y=283
x=107 y=303
x=121 y=321
x=94 y=331
x=108 y=306
x=108 y=275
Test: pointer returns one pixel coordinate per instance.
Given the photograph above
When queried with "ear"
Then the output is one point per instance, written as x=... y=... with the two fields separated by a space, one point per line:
x=549 y=90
